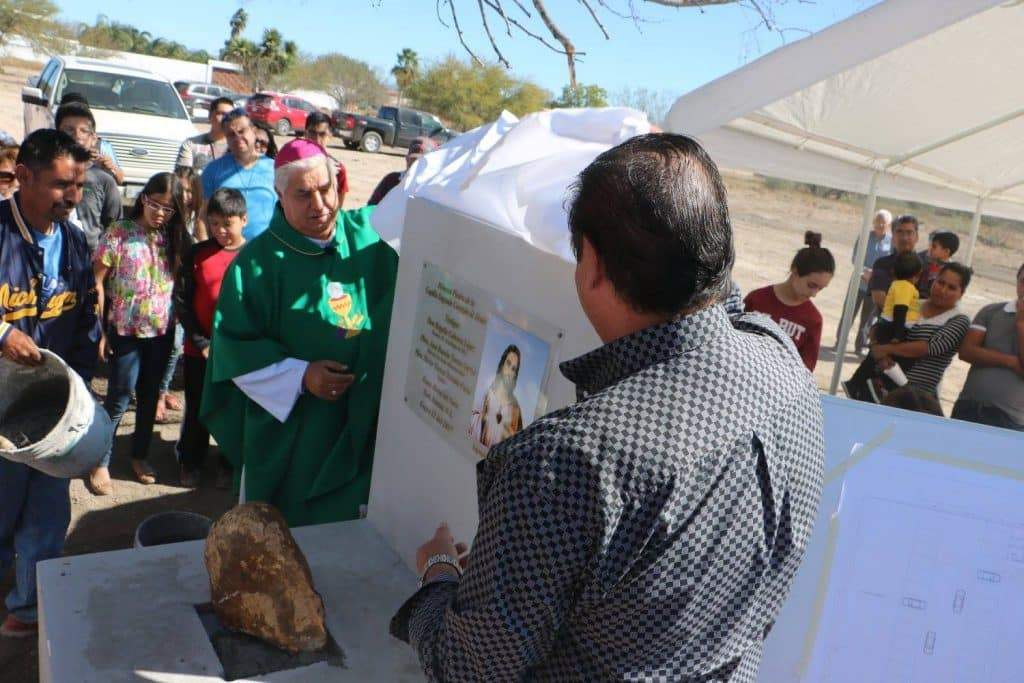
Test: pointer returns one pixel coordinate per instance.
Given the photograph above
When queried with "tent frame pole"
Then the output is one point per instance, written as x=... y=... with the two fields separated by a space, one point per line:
x=855 y=279
x=945 y=142
x=975 y=227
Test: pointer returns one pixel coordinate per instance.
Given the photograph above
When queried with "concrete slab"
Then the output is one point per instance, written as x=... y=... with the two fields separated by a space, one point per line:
x=130 y=615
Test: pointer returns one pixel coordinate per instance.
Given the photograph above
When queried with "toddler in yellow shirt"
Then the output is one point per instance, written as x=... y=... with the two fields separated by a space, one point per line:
x=902 y=306
x=902 y=309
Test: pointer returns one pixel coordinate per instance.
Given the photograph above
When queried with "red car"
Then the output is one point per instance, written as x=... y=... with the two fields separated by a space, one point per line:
x=285 y=113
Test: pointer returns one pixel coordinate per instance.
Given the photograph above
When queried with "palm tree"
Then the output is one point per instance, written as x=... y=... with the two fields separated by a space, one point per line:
x=239 y=20
x=406 y=70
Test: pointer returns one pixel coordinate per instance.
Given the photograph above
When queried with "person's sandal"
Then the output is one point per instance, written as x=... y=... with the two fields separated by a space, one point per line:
x=172 y=402
x=98 y=482
x=143 y=472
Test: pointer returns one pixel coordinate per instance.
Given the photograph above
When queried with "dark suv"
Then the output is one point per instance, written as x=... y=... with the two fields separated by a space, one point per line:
x=394 y=126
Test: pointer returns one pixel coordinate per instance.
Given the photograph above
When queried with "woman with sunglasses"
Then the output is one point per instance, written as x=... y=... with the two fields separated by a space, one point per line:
x=265 y=142
x=134 y=265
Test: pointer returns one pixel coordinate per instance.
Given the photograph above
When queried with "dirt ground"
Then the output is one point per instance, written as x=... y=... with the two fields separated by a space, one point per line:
x=109 y=523
x=769 y=223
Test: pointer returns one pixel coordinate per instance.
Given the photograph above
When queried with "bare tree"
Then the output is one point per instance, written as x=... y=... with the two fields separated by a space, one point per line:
x=533 y=19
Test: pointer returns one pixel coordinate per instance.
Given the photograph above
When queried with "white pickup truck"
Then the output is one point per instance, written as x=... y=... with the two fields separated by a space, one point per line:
x=138 y=112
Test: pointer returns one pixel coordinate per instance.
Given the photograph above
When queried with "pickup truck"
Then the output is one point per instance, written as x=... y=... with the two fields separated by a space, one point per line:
x=138 y=112
x=394 y=126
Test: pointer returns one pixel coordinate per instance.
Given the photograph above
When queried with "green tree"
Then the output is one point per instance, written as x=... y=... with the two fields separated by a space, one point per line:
x=582 y=96
x=239 y=20
x=406 y=70
x=355 y=84
x=261 y=62
x=33 y=20
x=468 y=95
x=107 y=35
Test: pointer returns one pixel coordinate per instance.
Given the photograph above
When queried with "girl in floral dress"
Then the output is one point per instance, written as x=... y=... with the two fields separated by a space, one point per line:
x=134 y=265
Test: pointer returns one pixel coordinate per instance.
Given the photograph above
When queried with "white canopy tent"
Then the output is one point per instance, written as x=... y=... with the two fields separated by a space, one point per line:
x=911 y=99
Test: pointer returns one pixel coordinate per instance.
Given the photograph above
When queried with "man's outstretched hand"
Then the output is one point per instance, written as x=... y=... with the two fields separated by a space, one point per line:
x=20 y=348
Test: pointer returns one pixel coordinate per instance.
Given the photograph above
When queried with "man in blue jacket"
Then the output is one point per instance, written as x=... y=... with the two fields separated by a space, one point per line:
x=47 y=301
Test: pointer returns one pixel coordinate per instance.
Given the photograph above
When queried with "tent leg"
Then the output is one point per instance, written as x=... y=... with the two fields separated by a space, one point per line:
x=975 y=227
x=854 y=286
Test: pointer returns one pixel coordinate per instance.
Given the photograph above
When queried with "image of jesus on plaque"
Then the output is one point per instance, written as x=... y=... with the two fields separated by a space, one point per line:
x=509 y=383
x=501 y=416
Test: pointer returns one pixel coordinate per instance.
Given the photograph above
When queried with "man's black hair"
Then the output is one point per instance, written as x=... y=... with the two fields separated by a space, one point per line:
x=219 y=101
x=74 y=110
x=947 y=240
x=654 y=209
x=965 y=273
x=906 y=266
x=41 y=148
x=227 y=202
x=316 y=118
x=70 y=97
x=906 y=219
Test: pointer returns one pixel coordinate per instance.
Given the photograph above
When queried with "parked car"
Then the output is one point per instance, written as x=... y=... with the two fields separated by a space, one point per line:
x=138 y=112
x=198 y=96
x=394 y=126
x=342 y=123
x=284 y=113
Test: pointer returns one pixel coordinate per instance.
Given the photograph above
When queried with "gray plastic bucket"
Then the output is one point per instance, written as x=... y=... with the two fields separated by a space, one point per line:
x=50 y=419
x=171 y=527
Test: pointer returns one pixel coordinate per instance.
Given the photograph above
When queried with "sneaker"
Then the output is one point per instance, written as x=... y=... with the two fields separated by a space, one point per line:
x=189 y=478
x=16 y=628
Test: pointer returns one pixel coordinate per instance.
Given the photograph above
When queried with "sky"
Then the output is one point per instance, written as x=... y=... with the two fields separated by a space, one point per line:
x=673 y=51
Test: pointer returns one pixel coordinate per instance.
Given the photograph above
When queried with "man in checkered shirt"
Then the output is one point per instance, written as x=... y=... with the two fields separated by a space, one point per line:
x=650 y=531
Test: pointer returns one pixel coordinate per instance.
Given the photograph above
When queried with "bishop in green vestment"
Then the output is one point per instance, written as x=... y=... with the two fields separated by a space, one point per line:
x=293 y=383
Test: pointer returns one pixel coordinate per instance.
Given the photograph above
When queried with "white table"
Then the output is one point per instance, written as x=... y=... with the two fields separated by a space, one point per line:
x=129 y=615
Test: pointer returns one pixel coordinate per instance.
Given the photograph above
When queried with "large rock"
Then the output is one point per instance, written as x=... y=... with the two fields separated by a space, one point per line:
x=260 y=582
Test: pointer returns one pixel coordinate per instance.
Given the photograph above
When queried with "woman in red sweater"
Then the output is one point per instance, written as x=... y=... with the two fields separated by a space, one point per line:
x=788 y=303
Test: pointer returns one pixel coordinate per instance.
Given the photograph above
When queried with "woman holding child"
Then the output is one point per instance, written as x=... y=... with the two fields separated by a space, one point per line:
x=928 y=346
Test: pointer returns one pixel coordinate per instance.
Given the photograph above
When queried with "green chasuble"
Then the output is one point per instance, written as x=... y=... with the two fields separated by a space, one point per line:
x=286 y=297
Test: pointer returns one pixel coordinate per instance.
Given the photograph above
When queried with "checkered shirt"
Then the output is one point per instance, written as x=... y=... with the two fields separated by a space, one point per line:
x=649 y=532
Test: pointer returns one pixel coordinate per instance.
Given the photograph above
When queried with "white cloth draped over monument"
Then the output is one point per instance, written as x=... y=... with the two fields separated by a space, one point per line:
x=513 y=173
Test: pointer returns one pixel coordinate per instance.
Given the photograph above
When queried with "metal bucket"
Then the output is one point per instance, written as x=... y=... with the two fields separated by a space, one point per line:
x=171 y=527
x=51 y=420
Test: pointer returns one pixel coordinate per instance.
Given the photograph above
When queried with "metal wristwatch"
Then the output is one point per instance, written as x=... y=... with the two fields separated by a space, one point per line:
x=441 y=558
